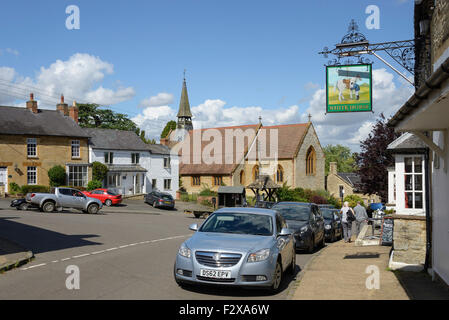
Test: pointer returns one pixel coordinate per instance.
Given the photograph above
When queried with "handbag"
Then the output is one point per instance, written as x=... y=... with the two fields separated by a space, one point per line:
x=350 y=215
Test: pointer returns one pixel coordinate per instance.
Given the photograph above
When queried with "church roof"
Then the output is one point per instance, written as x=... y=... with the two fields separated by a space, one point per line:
x=184 y=105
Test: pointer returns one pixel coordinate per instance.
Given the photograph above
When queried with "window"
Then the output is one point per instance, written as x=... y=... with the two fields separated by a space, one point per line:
x=311 y=162
x=77 y=176
x=255 y=173
x=135 y=157
x=167 y=184
x=341 y=191
x=242 y=177
x=32 y=147
x=75 y=148
x=280 y=174
x=413 y=180
x=153 y=184
x=109 y=157
x=218 y=180
x=167 y=162
x=31 y=175
x=114 y=180
x=196 y=181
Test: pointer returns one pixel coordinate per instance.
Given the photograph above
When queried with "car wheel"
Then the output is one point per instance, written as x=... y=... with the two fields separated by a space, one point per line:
x=93 y=208
x=23 y=206
x=154 y=204
x=311 y=245
x=48 y=206
x=323 y=242
x=293 y=265
x=277 y=278
x=108 y=202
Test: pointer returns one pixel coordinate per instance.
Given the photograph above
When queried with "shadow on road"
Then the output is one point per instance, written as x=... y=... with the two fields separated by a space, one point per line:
x=41 y=240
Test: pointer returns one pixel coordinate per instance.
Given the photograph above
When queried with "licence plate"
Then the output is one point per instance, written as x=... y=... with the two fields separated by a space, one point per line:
x=167 y=202
x=218 y=274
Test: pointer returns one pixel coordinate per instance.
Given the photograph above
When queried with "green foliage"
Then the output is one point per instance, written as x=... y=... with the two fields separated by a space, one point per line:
x=171 y=125
x=91 y=116
x=57 y=176
x=94 y=184
x=352 y=199
x=75 y=187
x=99 y=171
x=342 y=155
x=34 y=188
x=206 y=191
x=14 y=187
x=287 y=194
x=306 y=195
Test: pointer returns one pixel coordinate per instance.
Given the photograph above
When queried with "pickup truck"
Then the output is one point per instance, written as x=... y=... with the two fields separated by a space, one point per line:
x=64 y=198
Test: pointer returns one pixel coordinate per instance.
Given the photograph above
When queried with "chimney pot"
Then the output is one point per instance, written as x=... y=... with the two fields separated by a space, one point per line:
x=73 y=112
x=32 y=104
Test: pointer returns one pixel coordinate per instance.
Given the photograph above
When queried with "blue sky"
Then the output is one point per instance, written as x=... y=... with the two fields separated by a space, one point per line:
x=244 y=53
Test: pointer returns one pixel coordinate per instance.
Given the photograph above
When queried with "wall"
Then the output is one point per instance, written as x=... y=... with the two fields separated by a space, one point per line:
x=157 y=171
x=314 y=182
x=409 y=240
x=51 y=151
x=439 y=29
x=440 y=211
x=205 y=180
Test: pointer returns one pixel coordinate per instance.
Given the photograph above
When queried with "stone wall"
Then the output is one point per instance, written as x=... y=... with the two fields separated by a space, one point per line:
x=2 y=191
x=409 y=240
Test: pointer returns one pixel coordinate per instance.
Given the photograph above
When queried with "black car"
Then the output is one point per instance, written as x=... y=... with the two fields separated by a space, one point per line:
x=306 y=223
x=332 y=224
x=20 y=204
x=159 y=199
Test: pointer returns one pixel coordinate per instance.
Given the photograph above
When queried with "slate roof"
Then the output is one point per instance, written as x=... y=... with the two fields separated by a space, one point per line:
x=184 y=105
x=407 y=141
x=351 y=178
x=18 y=120
x=158 y=149
x=113 y=139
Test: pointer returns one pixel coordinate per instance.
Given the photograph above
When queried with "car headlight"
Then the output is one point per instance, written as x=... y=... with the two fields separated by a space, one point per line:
x=184 y=251
x=304 y=229
x=327 y=227
x=259 y=255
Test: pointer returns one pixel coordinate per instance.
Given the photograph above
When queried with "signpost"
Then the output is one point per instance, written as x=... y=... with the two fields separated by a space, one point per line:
x=349 y=88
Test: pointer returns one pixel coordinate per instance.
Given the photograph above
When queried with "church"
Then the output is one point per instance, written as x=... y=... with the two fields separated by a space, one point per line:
x=289 y=154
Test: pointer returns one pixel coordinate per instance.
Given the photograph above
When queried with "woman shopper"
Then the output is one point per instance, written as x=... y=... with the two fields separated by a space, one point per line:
x=347 y=217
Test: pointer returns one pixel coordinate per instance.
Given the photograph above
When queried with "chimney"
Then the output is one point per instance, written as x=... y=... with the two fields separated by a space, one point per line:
x=32 y=104
x=73 y=112
x=63 y=107
x=333 y=168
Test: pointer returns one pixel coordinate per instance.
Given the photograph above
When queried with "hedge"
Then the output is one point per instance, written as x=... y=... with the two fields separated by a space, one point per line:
x=34 y=188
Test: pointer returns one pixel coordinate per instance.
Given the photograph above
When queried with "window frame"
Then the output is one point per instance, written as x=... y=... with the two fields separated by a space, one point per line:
x=30 y=172
x=31 y=146
x=194 y=179
x=75 y=148
x=135 y=158
x=78 y=177
x=412 y=174
x=109 y=157
x=169 y=184
x=311 y=161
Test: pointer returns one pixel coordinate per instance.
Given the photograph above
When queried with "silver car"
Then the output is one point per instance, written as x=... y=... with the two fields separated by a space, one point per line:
x=248 y=247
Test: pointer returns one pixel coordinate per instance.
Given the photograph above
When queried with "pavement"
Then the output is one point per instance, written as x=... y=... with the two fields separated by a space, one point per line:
x=343 y=271
x=13 y=255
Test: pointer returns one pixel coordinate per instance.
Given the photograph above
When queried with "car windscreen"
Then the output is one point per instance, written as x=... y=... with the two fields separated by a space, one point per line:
x=293 y=211
x=328 y=214
x=239 y=223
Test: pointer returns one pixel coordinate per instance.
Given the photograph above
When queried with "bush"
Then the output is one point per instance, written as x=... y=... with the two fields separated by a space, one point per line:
x=206 y=191
x=94 y=184
x=14 y=187
x=34 y=188
x=352 y=199
x=99 y=171
x=57 y=176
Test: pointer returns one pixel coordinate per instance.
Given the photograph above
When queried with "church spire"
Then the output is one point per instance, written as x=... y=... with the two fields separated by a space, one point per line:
x=184 y=113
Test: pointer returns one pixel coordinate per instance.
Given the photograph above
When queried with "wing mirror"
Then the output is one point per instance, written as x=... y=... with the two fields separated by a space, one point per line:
x=285 y=232
x=193 y=227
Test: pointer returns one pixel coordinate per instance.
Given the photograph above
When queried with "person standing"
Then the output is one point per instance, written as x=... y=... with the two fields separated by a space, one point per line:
x=361 y=217
x=347 y=216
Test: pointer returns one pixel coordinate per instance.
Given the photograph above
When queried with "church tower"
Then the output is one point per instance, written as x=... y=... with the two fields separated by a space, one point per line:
x=184 y=113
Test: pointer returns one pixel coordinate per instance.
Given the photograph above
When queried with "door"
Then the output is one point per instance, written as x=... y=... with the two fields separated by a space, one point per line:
x=4 y=177
x=283 y=242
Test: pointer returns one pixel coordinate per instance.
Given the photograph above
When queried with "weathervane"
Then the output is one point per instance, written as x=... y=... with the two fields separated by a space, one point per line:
x=354 y=45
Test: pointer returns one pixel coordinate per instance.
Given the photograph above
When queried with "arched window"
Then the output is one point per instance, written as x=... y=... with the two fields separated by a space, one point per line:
x=311 y=162
x=255 y=172
x=242 y=177
x=280 y=174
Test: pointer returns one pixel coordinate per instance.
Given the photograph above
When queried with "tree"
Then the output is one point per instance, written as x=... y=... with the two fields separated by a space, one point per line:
x=171 y=125
x=91 y=116
x=99 y=171
x=342 y=155
x=374 y=159
x=57 y=176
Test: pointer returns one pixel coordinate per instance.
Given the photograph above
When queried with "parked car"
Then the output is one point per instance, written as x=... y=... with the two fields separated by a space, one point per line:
x=333 y=228
x=249 y=247
x=306 y=223
x=20 y=204
x=64 y=198
x=106 y=196
x=159 y=199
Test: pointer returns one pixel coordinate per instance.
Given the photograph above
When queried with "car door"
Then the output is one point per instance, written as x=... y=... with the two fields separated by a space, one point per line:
x=65 y=198
x=313 y=225
x=79 y=200
x=282 y=242
x=319 y=222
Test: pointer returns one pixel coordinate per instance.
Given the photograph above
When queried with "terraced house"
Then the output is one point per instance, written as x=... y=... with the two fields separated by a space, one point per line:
x=33 y=140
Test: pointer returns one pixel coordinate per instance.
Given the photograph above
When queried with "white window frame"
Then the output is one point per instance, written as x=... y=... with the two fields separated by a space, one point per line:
x=76 y=149
x=400 y=184
x=135 y=158
x=165 y=184
x=109 y=157
x=167 y=162
x=31 y=171
x=31 y=146
x=79 y=177
x=114 y=180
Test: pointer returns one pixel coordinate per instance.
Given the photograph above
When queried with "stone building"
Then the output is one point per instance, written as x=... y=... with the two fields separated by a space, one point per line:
x=345 y=183
x=425 y=116
x=33 y=140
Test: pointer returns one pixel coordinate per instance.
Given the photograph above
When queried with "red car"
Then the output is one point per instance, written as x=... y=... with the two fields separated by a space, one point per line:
x=106 y=196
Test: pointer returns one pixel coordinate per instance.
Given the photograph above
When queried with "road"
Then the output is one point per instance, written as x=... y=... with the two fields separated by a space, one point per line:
x=119 y=254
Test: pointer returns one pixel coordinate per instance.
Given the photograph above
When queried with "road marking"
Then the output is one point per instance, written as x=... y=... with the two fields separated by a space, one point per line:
x=107 y=250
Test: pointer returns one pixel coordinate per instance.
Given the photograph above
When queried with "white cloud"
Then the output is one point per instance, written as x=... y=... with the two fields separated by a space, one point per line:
x=161 y=99
x=77 y=78
x=10 y=51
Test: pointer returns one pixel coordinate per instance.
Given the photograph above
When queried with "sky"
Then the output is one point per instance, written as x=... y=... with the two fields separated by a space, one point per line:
x=244 y=59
